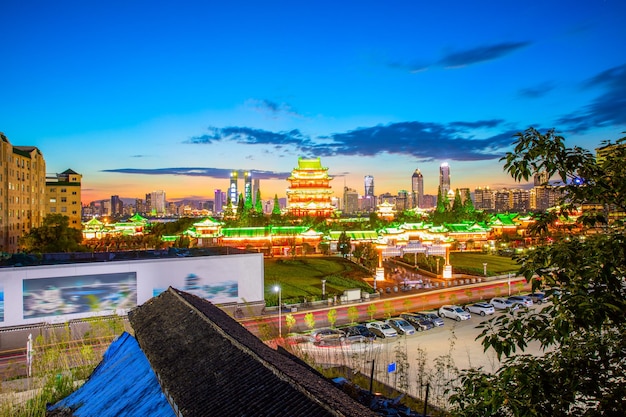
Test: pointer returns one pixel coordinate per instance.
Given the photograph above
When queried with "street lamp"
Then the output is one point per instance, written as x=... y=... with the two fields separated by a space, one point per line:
x=485 y=268
x=280 y=330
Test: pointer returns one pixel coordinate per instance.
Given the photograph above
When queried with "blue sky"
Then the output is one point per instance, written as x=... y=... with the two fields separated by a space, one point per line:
x=139 y=96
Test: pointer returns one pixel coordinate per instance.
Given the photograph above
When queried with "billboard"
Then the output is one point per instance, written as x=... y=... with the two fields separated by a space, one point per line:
x=59 y=293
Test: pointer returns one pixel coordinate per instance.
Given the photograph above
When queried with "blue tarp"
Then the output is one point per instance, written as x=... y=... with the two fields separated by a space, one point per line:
x=123 y=384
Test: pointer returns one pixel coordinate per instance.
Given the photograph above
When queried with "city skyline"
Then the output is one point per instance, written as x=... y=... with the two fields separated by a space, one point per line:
x=143 y=97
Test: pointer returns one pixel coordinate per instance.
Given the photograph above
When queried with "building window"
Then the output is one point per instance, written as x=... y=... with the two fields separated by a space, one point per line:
x=63 y=190
x=53 y=190
x=63 y=209
x=63 y=199
x=53 y=209
x=53 y=200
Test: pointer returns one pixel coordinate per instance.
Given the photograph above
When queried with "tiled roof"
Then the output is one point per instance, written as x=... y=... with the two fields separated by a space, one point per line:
x=208 y=364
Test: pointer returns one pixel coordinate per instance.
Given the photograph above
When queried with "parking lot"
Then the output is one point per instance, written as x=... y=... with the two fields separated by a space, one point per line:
x=423 y=350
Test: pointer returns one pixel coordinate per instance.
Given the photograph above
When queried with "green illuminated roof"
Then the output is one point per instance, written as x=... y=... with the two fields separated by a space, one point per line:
x=355 y=234
x=245 y=232
x=466 y=228
x=313 y=164
x=137 y=218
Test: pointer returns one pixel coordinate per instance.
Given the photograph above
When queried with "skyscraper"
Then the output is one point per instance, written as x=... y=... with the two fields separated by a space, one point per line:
x=247 y=186
x=417 y=188
x=369 y=186
x=117 y=206
x=232 y=190
x=218 y=203
x=444 y=178
x=158 y=201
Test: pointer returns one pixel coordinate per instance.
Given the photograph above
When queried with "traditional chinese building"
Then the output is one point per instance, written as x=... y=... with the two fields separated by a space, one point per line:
x=309 y=192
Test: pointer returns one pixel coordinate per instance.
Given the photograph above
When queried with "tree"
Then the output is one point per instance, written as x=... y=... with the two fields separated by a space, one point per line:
x=584 y=329
x=258 y=203
x=353 y=314
x=54 y=235
x=332 y=317
x=343 y=244
x=276 y=209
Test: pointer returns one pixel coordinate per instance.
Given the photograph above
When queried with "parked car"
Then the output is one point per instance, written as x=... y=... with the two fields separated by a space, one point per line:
x=437 y=321
x=358 y=333
x=381 y=329
x=501 y=303
x=538 y=297
x=419 y=321
x=401 y=325
x=454 y=312
x=480 y=308
x=523 y=300
x=327 y=336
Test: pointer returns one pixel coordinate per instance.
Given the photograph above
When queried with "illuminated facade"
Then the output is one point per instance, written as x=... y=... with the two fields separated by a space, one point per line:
x=63 y=196
x=309 y=192
x=232 y=189
x=247 y=186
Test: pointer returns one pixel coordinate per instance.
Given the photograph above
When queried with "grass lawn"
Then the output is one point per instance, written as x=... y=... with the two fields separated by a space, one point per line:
x=302 y=277
x=472 y=262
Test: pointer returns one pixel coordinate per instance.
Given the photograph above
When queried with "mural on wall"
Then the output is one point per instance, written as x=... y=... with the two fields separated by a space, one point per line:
x=79 y=294
x=1 y=303
x=216 y=292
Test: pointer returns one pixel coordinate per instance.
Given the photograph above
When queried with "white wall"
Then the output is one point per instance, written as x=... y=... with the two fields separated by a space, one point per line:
x=60 y=293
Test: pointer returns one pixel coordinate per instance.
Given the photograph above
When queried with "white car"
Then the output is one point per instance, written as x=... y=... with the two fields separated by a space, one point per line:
x=454 y=312
x=381 y=329
x=502 y=303
x=480 y=308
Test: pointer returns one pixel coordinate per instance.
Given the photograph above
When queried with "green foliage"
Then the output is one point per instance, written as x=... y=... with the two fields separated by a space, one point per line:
x=343 y=244
x=371 y=310
x=309 y=319
x=332 y=316
x=583 y=330
x=353 y=314
x=54 y=235
x=290 y=321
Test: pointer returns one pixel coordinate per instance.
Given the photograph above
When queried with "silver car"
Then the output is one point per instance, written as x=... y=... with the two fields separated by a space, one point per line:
x=381 y=329
x=401 y=325
x=502 y=303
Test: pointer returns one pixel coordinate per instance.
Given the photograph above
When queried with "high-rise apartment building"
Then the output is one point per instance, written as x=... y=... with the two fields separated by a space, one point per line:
x=158 y=202
x=520 y=200
x=350 y=200
x=117 y=206
x=417 y=188
x=369 y=186
x=218 y=201
x=484 y=199
x=256 y=186
x=233 y=195
x=63 y=196
x=444 y=178
x=403 y=201
x=22 y=192
x=541 y=178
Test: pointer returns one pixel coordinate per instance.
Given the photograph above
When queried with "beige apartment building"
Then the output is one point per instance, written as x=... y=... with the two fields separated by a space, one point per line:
x=22 y=192
x=63 y=196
